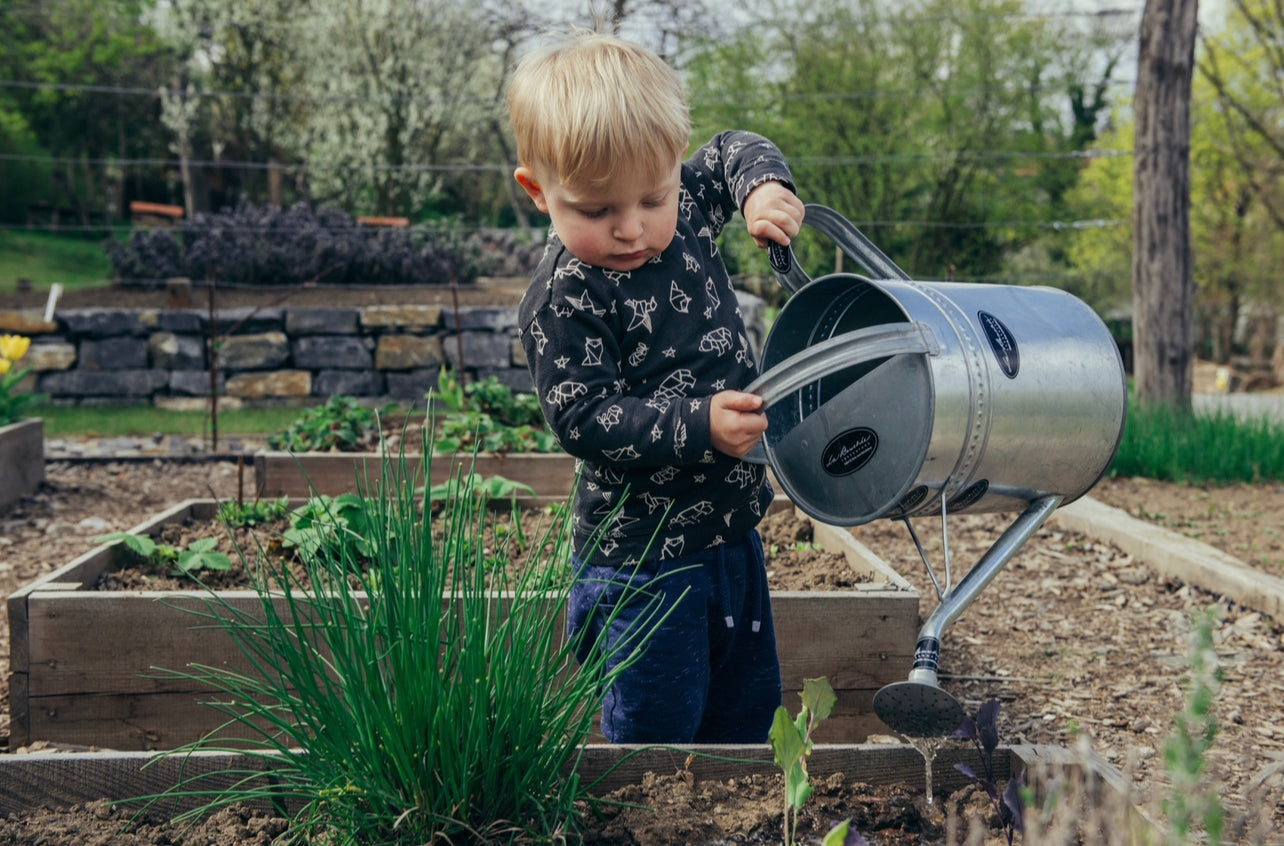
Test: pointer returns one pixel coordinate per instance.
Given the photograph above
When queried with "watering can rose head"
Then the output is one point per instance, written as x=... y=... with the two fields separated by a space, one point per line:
x=12 y=406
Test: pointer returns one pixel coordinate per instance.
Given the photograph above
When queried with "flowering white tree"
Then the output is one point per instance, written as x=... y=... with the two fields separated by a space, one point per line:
x=241 y=96
x=405 y=89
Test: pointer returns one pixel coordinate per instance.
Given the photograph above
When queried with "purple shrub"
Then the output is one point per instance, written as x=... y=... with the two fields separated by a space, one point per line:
x=264 y=245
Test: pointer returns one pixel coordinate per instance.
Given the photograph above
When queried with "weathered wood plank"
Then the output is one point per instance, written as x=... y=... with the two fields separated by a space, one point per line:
x=128 y=722
x=133 y=633
x=22 y=459
x=19 y=711
x=857 y=640
x=852 y=721
x=140 y=722
x=300 y=475
x=860 y=639
x=873 y=764
x=60 y=780
x=1182 y=558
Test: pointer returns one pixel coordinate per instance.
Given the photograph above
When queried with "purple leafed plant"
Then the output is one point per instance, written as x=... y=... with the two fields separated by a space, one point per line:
x=247 y=244
x=983 y=731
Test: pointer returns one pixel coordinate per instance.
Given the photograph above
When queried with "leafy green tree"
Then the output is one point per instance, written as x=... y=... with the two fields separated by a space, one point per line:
x=24 y=176
x=1242 y=70
x=1100 y=252
x=937 y=126
x=86 y=70
x=1234 y=235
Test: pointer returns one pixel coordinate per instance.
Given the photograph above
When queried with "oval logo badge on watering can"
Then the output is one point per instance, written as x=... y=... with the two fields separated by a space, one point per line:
x=912 y=500
x=849 y=451
x=1002 y=342
x=970 y=496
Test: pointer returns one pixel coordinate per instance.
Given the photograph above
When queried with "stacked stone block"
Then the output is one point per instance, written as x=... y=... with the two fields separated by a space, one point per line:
x=278 y=356
x=270 y=356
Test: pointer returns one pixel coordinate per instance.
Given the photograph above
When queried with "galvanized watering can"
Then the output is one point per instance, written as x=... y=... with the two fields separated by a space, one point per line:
x=893 y=398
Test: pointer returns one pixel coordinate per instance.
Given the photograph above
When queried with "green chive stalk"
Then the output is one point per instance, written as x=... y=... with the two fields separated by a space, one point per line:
x=416 y=696
x=1163 y=443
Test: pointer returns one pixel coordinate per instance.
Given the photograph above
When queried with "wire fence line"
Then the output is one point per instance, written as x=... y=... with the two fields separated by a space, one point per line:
x=269 y=96
x=1052 y=225
x=809 y=161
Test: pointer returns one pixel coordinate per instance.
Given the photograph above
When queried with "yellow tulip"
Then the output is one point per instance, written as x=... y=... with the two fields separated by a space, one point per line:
x=5 y=364
x=13 y=347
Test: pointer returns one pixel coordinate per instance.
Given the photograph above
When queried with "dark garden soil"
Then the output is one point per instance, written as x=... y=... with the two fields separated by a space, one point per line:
x=1075 y=638
x=1078 y=641
x=671 y=810
x=794 y=564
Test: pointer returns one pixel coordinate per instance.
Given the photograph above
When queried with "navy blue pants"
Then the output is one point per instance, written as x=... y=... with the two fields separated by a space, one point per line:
x=709 y=673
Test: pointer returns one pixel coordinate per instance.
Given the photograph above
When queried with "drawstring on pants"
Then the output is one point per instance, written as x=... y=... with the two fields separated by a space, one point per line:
x=725 y=585
x=753 y=592
x=754 y=599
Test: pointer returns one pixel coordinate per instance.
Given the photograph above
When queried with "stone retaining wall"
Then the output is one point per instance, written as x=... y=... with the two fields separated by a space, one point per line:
x=279 y=356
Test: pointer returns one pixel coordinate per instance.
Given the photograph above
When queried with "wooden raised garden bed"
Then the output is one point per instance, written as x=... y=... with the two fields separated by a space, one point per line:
x=59 y=781
x=303 y=474
x=22 y=459
x=83 y=660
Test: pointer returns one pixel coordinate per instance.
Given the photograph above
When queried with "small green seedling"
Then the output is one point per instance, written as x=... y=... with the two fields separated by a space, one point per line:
x=340 y=424
x=490 y=487
x=791 y=744
x=199 y=556
x=488 y=416
x=339 y=524
x=842 y=835
x=239 y=515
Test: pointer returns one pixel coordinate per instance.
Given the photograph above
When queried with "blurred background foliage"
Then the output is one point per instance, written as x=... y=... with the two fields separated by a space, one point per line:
x=975 y=140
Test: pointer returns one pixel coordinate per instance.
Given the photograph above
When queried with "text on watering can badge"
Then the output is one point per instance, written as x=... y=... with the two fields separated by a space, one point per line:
x=1003 y=342
x=849 y=451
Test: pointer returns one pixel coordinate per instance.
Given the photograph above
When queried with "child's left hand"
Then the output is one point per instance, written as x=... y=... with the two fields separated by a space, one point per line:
x=736 y=423
x=773 y=213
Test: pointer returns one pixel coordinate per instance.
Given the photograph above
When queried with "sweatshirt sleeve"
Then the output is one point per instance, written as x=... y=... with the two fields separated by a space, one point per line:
x=727 y=169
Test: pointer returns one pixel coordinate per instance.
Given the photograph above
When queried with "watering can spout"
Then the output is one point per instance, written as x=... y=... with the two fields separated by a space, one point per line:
x=919 y=707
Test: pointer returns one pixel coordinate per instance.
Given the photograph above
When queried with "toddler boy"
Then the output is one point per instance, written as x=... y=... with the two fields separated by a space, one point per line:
x=637 y=347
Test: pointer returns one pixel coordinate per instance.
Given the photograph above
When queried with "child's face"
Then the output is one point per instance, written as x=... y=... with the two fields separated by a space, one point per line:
x=619 y=227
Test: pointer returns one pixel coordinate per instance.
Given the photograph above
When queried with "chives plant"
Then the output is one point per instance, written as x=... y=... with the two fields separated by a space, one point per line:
x=1160 y=442
x=417 y=698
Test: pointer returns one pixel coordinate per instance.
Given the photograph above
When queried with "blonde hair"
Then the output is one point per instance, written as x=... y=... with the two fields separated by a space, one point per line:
x=592 y=107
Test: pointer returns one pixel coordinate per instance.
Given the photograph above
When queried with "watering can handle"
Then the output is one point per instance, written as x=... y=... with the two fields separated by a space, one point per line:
x=846 y=236
x=850 y=348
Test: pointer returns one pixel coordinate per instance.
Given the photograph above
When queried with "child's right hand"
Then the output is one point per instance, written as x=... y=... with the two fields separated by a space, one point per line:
x=736 y=422
x=773 y=213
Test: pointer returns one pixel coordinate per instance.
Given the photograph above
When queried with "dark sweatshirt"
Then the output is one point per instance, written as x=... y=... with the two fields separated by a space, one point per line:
x=625 y=365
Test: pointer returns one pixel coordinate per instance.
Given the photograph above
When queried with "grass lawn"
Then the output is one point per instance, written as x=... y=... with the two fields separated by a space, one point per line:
x=46 y=259
x=145 y=420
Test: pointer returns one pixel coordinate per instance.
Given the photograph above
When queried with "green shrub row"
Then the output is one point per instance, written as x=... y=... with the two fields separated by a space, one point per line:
x=1171 y=445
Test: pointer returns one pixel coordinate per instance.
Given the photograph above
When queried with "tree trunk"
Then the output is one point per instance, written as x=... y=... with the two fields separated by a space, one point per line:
x=1163 y=285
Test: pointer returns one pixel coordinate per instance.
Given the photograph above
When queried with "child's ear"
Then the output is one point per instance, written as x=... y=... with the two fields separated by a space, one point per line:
x=526 y=178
